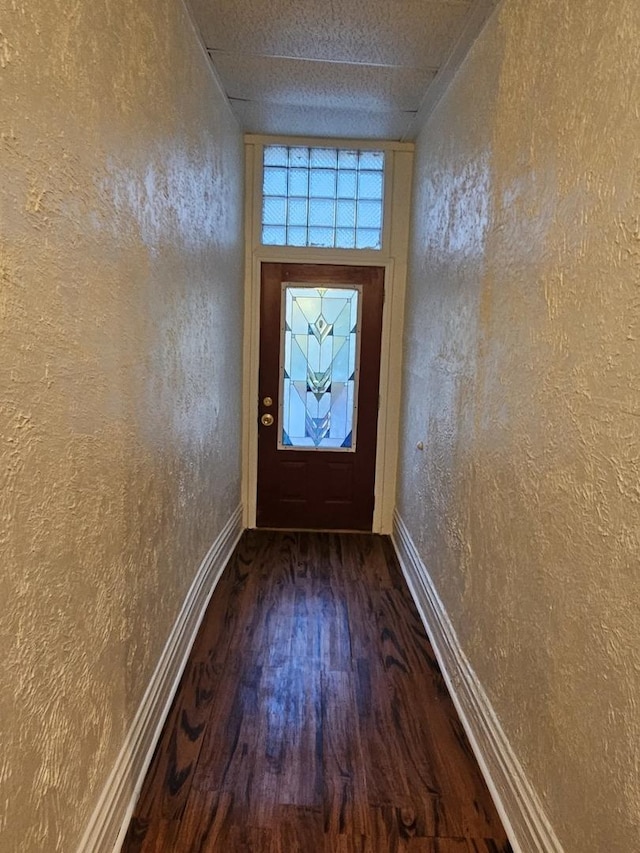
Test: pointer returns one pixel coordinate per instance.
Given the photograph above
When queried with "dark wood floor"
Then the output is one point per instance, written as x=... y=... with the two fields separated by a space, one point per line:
x=312 y=717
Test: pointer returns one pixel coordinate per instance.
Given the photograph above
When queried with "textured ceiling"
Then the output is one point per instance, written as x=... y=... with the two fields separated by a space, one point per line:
x=339 y=68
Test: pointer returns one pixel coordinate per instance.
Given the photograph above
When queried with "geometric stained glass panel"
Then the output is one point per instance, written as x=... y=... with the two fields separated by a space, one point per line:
x=319 y=367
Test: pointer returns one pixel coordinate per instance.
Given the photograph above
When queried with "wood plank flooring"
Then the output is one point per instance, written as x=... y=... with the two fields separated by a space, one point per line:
x=312 y=717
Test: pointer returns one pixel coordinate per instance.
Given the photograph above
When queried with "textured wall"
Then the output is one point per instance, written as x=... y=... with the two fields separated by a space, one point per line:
x=120 y=342
x=522 y=377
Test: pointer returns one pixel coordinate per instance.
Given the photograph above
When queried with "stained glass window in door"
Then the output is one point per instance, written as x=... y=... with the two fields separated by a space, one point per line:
x=319 y=367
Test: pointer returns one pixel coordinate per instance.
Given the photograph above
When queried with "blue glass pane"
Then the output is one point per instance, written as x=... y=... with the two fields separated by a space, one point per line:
x=297 y=213
x=313 y=356
x=367 y=238
x=287 y=353
x=322 y=183
x=339 y=420
x=275 y=181
x=299 y=182
x=350 y=395
x=353 y=313
x=275 y=155
x=296 y=318
x=274 y=211
x=298 y=370
x=369 y=214
x=345 y=238
x=296 y=236
x=297 y=415
x=299 y=157
x=371 y=160
x=341 y=360
x=370 y=185
x=321 y=237
x=321 y=212
x=309 y=306
x=346 y=214
x=324 y=158
x=347 y=159
x=272 y=236
x=347 y=183
x=333 y=305
x=342 y=325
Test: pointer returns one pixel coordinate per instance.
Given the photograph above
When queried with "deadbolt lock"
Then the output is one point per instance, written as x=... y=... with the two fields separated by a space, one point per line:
x=267 y=402
x=266 y=419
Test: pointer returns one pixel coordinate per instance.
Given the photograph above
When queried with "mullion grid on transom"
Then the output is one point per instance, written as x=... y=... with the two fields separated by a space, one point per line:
x=299 y=210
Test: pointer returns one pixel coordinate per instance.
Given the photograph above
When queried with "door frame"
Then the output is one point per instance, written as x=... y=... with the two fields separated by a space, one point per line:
x=392 y=257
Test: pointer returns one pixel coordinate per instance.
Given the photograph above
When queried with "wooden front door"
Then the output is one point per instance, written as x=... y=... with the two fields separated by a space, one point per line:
x=320 y=329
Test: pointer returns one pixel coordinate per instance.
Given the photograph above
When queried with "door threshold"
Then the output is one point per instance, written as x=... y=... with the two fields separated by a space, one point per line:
x=312 y=530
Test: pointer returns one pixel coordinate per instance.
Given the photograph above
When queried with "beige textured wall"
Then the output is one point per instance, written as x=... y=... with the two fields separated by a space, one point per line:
x=522 y=377
x=120 y=344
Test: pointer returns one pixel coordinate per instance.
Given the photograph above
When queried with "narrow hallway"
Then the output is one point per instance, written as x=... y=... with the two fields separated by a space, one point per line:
x=312 y=716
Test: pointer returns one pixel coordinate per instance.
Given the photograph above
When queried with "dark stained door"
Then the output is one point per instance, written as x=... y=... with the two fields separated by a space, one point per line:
x=332 y=317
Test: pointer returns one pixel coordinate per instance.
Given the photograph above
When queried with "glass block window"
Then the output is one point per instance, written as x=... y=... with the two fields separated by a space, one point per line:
x=326 y=197
x=319 y=367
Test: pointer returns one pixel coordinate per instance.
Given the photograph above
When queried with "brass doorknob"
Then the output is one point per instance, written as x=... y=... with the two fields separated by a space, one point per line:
x=266 y=419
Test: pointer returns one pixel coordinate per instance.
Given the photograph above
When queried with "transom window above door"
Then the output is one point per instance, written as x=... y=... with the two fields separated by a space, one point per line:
x=322 y=197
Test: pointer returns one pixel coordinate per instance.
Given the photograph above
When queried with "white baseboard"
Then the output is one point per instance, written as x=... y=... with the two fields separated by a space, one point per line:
x=518 y=804
x=108 y=824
